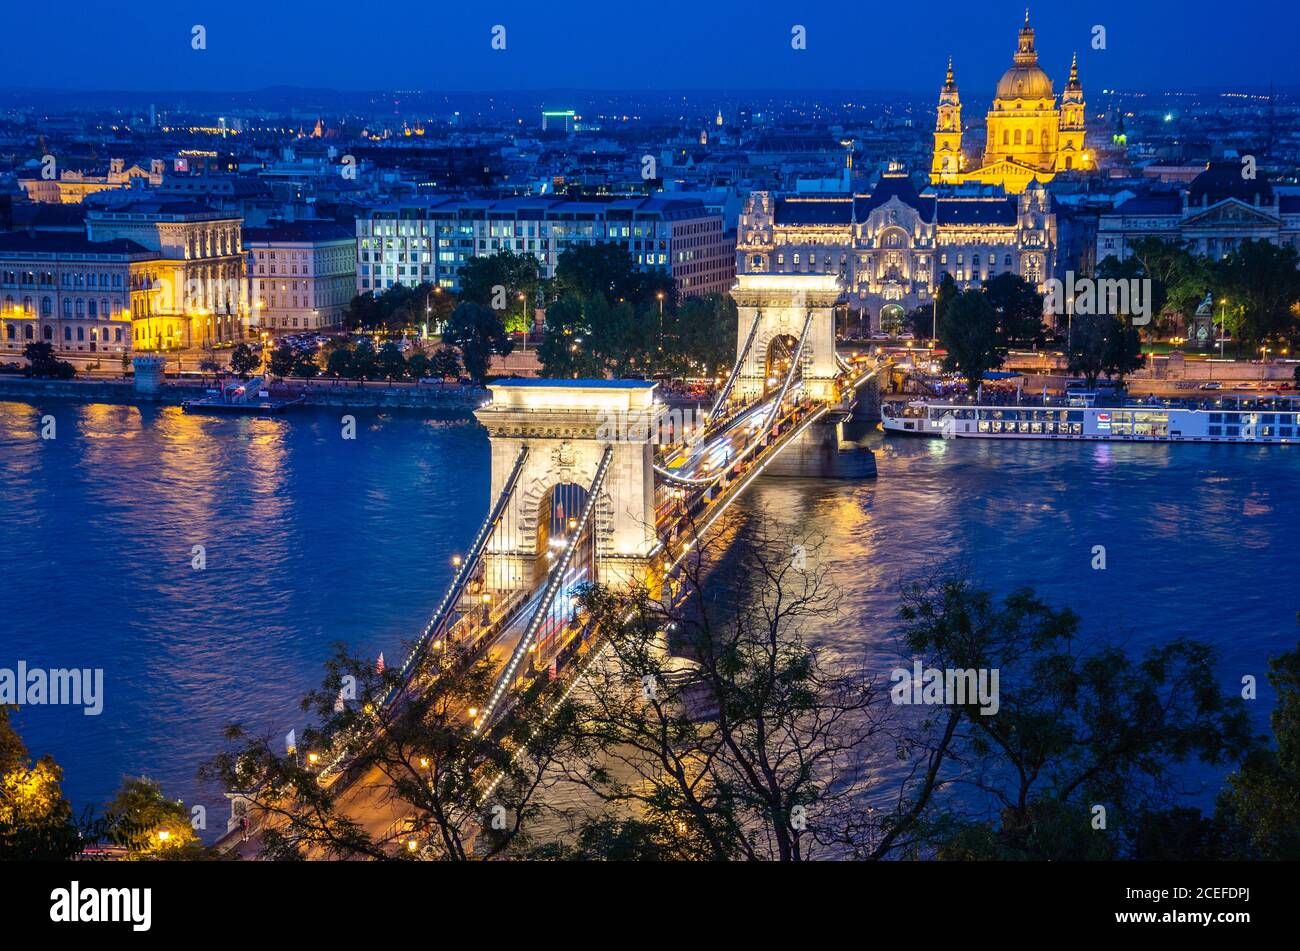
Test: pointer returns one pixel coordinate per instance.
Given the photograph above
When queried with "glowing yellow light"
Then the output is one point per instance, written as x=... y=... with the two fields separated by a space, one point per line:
x=424 y=762
x=473 y=712
x=313 y=758
x=164 y=835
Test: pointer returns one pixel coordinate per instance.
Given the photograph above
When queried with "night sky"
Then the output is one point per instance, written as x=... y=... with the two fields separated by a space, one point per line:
x=627 y=44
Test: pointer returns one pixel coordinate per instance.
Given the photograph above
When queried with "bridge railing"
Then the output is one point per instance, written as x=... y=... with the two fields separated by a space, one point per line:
x=556 y=582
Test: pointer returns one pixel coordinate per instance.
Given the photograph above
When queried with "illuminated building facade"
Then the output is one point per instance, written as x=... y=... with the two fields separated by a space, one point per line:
x=75 y=294
x=71 y=187
x=431 y=241
x=892 y=247
x=1031 y=135
x=196 y=292
x=302 y=275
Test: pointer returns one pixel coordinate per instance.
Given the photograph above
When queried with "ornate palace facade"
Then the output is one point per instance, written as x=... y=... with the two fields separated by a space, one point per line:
x=1030 y=135
x=892 y=247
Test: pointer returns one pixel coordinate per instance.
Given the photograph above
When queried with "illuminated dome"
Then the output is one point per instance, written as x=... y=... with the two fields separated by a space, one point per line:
x=1025 y=82
x=1025 y=79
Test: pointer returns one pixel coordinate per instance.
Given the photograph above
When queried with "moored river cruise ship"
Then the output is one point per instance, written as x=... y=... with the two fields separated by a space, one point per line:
x=1272 y=420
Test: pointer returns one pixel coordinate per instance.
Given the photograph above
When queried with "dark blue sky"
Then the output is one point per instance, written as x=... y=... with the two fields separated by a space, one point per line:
x=637 y=44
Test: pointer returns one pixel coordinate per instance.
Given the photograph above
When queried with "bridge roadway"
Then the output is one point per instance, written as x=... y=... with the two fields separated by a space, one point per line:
x=710 y=473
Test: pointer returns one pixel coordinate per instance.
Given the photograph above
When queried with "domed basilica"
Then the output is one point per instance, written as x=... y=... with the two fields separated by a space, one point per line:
x=1030 y=135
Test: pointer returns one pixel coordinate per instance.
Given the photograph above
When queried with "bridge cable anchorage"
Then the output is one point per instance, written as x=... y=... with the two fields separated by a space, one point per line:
x=554 y=582
x=735 y=371
x=439 y=621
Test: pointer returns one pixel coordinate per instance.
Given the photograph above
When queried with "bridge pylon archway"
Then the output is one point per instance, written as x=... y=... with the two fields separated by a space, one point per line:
x=781 y=303
x=567 y=425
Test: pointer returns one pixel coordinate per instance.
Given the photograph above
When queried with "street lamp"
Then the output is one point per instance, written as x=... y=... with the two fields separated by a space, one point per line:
x=1223 y=323
x=524 y=316
x=660 y=296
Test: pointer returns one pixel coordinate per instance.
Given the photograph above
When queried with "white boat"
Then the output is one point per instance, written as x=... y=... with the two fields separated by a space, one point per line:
x=1244 y=420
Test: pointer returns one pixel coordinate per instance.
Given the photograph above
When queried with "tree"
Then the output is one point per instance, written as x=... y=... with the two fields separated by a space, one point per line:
x=364 y=362
x=747 y=744
x=606 y=269
x=1104 y=344
x=1179 y=279
x=1260 y=279
x=1260 y=805
x=42 y=364
x=444 y=364
x=1019 y=309
x=497 y=280
x=1123 y=350
x=698 y=338
x=305 y=366
x=468 y=793
x=418 y=366
x=968 y=331
x=478 y=333
x=148 y=825
x=1073 y=727
x=566 y=351
x=36 y=821
x=390 y=364
x=339 y=363
x=282 y=361
x=243 y=361
x=621 y=339
x=1089 y=346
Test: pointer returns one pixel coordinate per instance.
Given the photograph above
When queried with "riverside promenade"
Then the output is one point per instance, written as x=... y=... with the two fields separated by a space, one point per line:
x=344 y=393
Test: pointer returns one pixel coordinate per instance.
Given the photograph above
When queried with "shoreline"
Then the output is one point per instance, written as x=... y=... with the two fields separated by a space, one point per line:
x=124 y=392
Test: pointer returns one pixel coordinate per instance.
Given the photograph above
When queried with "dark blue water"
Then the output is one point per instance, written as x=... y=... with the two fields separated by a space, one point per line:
x=311 y=539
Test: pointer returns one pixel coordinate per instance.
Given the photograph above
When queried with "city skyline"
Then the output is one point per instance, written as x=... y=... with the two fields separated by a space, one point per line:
x=679 y=47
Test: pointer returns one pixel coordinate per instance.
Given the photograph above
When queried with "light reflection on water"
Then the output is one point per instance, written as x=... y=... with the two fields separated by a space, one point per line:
x=310 y=538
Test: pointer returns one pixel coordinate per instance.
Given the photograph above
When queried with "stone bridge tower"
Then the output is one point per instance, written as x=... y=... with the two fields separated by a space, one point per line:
x=782 y=302
x=567 y=425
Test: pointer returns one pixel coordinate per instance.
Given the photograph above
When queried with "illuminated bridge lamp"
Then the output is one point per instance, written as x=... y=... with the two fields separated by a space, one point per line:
x=455 y=561
x=411 y=845
x=473 y=712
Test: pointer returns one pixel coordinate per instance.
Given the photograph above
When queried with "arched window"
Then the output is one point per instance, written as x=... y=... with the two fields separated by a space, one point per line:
x=93 y=310
x=48 y=331
x=47 y=307
x=1029 y=137
x=1006 y=137
x=27 y=332
x=67 y=307
x=1018 y=139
